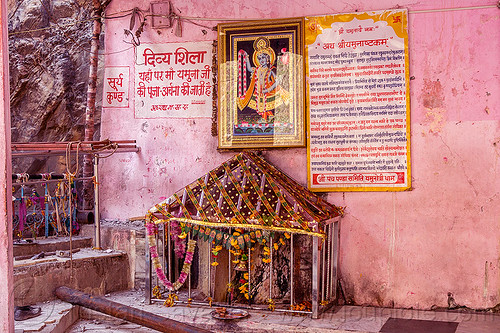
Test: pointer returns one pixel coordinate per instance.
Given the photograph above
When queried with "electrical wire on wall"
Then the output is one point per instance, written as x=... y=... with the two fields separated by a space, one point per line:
x=142 y=15
x=191 y=19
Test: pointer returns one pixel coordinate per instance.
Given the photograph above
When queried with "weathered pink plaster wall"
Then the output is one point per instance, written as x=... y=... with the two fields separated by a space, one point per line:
x=404 y=249
x=6 y=266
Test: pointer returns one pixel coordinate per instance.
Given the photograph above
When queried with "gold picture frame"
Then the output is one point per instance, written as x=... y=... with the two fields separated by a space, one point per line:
x=261 y=84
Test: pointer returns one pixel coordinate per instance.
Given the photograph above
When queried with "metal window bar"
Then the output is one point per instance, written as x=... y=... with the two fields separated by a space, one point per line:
x=148 y=281
x=209 y=266
x=166 y=230
x=335 y=261
x=315 y=277
x=249 y=277
x=317 y=269
x=229 y=287
x=323 y=272
x=331 y=243
x=156 y=238
x=190 y=271
x=328 y=261
x=271 y=247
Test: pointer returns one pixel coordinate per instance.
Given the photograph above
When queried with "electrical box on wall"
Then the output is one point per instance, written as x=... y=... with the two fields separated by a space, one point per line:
x=161 y=11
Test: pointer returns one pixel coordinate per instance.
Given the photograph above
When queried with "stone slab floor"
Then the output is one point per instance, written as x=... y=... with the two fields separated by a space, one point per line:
x=341 y=320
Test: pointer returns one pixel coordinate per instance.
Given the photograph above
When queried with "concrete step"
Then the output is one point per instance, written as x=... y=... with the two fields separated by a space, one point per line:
x=31 y=247
x=91 y=271
x=56 y=317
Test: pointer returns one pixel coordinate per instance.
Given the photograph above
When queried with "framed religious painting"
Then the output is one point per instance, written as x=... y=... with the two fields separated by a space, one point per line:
x=261 y=84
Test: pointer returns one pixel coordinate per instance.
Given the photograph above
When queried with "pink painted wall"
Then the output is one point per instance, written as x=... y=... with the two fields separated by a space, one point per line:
x=404 y=249
x=6 y=265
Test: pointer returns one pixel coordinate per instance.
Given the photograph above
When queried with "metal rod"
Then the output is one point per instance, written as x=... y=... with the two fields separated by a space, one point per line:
x=84 y=148
x=16 y=176
x=169 y=244
x=219 y=205
x=328 y=261
x=209 y=270
x=70 y=231
x=69 y=211
x=124 y=312
x=291 y=270
x=36 y=182
x=97 y=218
x=156 y=275
x=190 y=270
x=229 y=273
x=62 y=153
x=148 y=273
x=165 y=249
x=249 y=275
x=323 y=269
x=65 y=147
x=62 y=143
x=46 y=211
x=336 y=238
x=271 y=268
x=235 y=306
x=21 y=226
x=315 y=276
x=202 y=197
x=330 y=250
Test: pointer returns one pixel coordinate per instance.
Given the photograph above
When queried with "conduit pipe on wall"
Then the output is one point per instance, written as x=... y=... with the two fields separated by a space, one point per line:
x=91 y=93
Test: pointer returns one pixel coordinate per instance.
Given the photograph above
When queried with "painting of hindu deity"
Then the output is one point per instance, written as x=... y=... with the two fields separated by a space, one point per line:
x=261 y=86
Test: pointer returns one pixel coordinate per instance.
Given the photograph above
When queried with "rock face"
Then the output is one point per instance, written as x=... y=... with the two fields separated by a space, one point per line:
x=48 y=74
x=302 y=269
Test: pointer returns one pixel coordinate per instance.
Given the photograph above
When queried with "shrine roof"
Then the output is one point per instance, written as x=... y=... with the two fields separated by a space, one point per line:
x=248 y=192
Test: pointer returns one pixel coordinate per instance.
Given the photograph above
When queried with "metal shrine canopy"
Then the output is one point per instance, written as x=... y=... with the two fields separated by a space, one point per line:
x=249 y=193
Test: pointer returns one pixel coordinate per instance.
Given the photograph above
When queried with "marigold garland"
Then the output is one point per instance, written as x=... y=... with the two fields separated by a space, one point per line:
x=153 y=250
x=249 y=226
x=170 y=301
x=157 y=292
x=272 y=305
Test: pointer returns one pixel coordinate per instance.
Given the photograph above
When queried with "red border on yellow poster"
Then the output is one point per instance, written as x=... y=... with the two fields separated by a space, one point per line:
x=358 y=106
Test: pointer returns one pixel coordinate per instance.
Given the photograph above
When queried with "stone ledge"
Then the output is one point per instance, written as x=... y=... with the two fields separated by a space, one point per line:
x=50 y=245
x=91 y=271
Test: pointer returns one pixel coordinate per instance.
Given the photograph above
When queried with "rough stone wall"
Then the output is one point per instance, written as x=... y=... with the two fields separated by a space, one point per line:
x=48 y=73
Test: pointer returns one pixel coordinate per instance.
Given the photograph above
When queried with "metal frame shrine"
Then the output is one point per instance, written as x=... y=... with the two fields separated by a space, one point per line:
x=244 y=204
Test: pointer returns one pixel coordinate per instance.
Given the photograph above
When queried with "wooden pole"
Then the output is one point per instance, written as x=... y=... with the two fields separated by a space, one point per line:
x=90 y=111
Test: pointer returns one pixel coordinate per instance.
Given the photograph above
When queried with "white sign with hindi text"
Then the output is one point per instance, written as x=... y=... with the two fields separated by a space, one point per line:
x=173 y=80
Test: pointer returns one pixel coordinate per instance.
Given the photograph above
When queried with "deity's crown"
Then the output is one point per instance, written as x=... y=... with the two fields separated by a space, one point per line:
x=262 y=45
